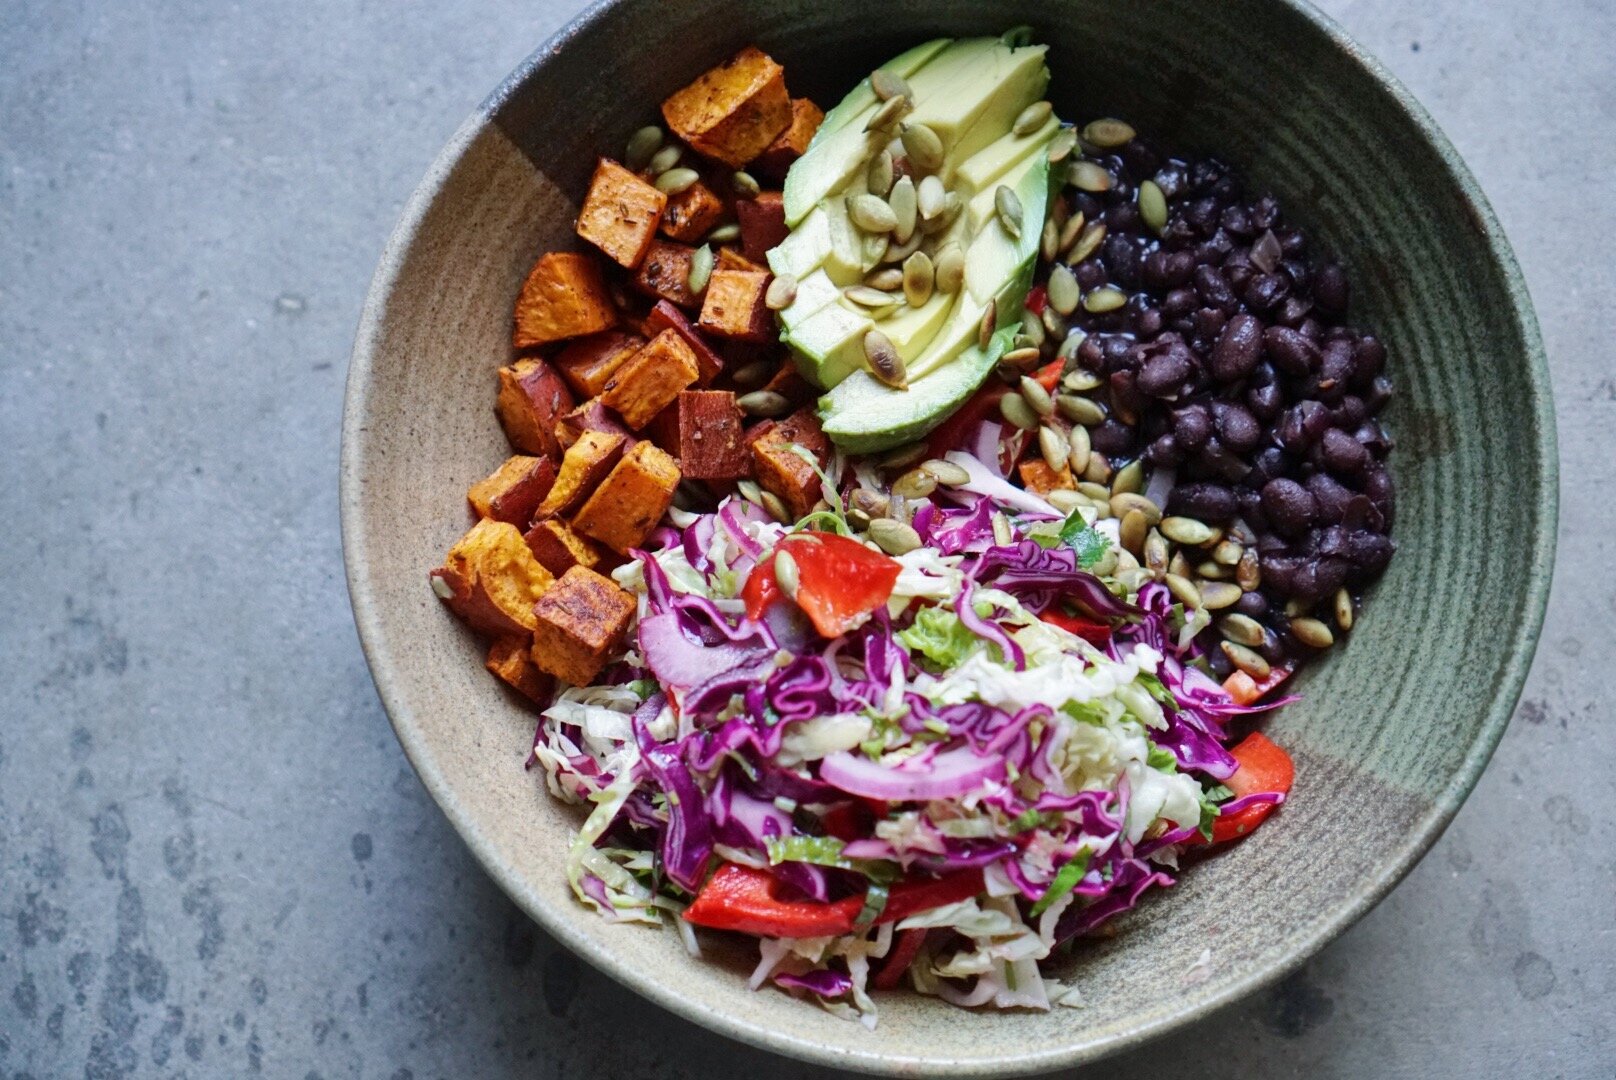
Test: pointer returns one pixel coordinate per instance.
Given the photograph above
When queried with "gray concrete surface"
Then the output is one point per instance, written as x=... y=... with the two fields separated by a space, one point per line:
x=214 y=860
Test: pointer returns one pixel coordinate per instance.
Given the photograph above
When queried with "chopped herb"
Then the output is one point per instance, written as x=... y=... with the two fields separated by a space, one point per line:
x=1158 y=691
x=1217 y=793
x=1065 y=881
x=875 y=902
x=643 y=688
x=1027 y=819
x=1160 y=758
x=819 y=850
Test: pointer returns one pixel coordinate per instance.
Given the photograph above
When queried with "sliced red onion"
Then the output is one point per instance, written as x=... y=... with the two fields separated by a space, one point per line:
x=823 y=981
x=984 y=481
x=1160 y=484
x=984 y=446
x=951 y=774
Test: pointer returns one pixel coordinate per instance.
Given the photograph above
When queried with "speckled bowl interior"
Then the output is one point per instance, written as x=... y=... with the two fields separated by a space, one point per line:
x=1394 y=726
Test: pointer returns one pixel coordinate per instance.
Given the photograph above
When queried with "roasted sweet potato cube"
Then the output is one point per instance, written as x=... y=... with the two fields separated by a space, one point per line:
x=734 y=306
x=564 y=297
x=621 y=213
x=591 y=416
x=558 y=548
x=667 y=317
x=665 y=274
x=587 y=363
x=710 y=442
x=531 y=397
x=491 y=580
x=514 y=490
x=788 y=382
x=783 y=470
x=511 y=661
x=585 y=465
x=629 y=503
x=791 y=143
x=763 y=224
x=1036 y=475
x=731 y=259
x=580 y=624
x=646 y=382
x=692 y=213
x=733 y=112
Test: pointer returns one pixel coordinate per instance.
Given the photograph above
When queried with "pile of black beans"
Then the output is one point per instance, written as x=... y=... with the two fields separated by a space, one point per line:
x=1231 y=362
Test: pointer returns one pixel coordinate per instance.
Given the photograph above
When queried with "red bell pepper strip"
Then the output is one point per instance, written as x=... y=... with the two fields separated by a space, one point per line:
x=952 y=433
x=1037 y=297
x=761 y=591
x=839 y=581
x=1263 y=766
x=1248 y=691
x=743 y=898
x=898 y=960
x=1049 y=375
x=1095 y=633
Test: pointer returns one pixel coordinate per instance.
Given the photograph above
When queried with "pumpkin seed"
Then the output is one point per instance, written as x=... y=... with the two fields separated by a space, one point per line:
x=886 y=280
x=946 y=472
x=1312 y=632
x=1071 y=230
x=1099 y=470
x=1001 y=529
x=1068 y=347
x=930 y=196
x=1246 y=660
x=1080 y=380
x=1021 y=359
x=675 y=181
x=1211 y=571
x=749 y=491
x=1155 y=554
x=866 y=297
x=889 y=113
x=1152 y=206
x=1032 y=329
x=701 y=269
x=1124 y=503
x=1217 y=595
x=1097 y=492
x=1243 y=629
x=888 y=85
x=781 y=293
x=1065 y=500
x=1053 y=446
x=1129 y=478
x=1104 y=299
x=1064 y=142
x=1032 y=118
x=919 y=277
x=903 y=456
x=1227 y=553
x=871 y=213
x=904 y=208
x=1087 y=243
x=1185 y=530
x=786 y=573
x=724 y=234
x=858 y=518
x=1179 y=565
x=1064 y=292
x=951 y=270
x=1077 y=455
x=885 y=363
x=1107 y=133
x=990 y=319
x=1087 y=176
x=897 y=253
x=871 y=503
x=1108 y=562
x=1080 y=410
x=776 y=508
x=745 y=185
x=765 y=403
x=881 y=173
x=1343 y=609
x=924 y=148
x=1183 y=590
x=914 y=484
x=1049 y=241
x=754 y=374
x=1133 y=530
x=1007 y=204
x=663 y=160
x=642 y=146
x=1248 y=571
x=1015 y=410
x=1038 y=398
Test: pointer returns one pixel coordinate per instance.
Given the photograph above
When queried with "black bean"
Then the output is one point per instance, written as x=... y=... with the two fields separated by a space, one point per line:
x=1310 y=328
x=1165 y=371
x=1264 y=291
x=1180 y=301
x=1342 y=454
x=1090 y=355
x=1302 y=425
x=1271 y=463
x=1253 y=605
x=1180 y=269
x=1209 y=323
x=1193 y=426
x=1338 y=361
x=1112 y=438
x=1372 y=437
x=1238 y=349
x=1237 y=220
x=1219 y=461
x=1089 y=273
x=1368 y=552
x=1265 y=212
x=1371 y=357
x=1293 y=242
x=1154 y=269
x=1213 y=290
x=1203 y=215
x=1330 y=496
x=1124 y=216
x=1265 y=401
x=1165 y=451
x=1379 y=394
x=1236 y=427
x=1147 y=323
x=1294 y=311
x=1118 y=352
x=1121 y=260
x=1289 y=507
x=1173 y=179
x=1290 y=350
x=1206 y=501
x=1378 y=486
x=1330 y=290
x=1349 y=413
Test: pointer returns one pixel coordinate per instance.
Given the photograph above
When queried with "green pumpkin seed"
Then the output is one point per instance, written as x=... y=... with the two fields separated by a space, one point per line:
x=1132 y=531
x=1077 y=455
x=1066 y=500
x=1246 y=660
x=764 y=403
x=1015 y=410
x=1021 y=359
x=750 y=491
x=890 y=112
x=1080 y=410
x=946 y=472
x=1071 y=231
x=1080 y=380
x=1069 y=346
x=701 y=269
x=1211 y=571
x=1152 y=206
x=1155 y=554
x=1227 y=553
x=915 y=484
x=1053 y=446
x=871 y=213
x=1049 y=242
x=1108 y=133
x=858 y=518
x=776 y=508
x=872 y=503
x=745 y=185
x=952 y=205
x=1183 y=590
x=1243 y=629
x=781 y=293
x=1054 y=323
x=897 y=253
x=1002 y=533
x=985 y=328
x=1127 y=502
x=1032 y=118
x=902 y=203
x=1217 y=595
x=1185 y=530
x=676 y=181
x=887 y=280
x=642 y=146
x=1129 y=479
x=1099 y=470
x=1312 y=632
x=923 y=147
x=930 y=195
x=1248 y=571
x=754 y=374
x=1087 y=243
x=950 y=269
x=1062 y=145
x=888 y=85
x=1343 y=609
x=866 y=297
x=1032 y=329
x=1064 y=293
x=1088 y=176
x=1007 y=204
x=885 y=363
x=1104 y=299
x=919 y=277
x=663 y=160
x=880 y=175
x=1097 y=492
x=786 y=573
x=1038 y=398
x=724 y=234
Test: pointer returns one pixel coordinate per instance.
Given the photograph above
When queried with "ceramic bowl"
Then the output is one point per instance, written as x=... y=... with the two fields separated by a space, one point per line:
x=1394 y=726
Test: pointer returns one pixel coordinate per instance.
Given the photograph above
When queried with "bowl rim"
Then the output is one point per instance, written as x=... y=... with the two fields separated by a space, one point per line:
x=386 y=672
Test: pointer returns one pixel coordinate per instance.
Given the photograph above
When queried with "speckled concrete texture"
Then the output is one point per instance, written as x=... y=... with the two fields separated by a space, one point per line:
x=214 y=860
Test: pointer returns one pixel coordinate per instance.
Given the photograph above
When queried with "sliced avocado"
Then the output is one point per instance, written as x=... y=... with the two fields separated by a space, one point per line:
x=813 y=293
x=804 y=248
x=995 y=257
x=830 y=344
x=973 y=92
x=862 y=97
x=988 y=166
